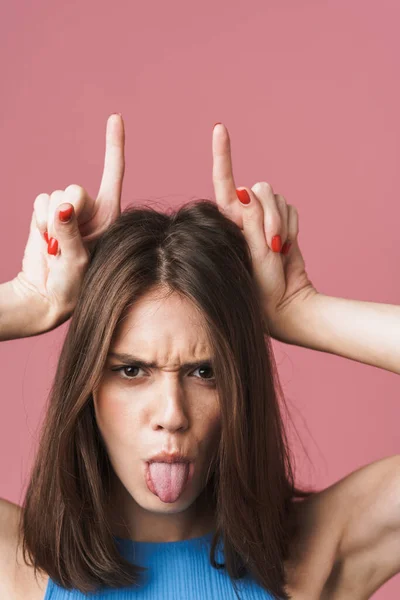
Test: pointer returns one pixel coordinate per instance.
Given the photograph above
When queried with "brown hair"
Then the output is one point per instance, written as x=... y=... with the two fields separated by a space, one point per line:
x=202 y=255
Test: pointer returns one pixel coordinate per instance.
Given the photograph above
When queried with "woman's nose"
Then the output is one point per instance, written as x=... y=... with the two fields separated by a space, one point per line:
x=170 y=408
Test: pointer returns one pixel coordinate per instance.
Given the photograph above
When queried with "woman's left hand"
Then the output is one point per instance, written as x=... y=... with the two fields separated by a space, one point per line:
x=281 y=277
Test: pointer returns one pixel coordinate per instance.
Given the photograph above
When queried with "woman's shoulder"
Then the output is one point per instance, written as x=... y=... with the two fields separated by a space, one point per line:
x=17 y=579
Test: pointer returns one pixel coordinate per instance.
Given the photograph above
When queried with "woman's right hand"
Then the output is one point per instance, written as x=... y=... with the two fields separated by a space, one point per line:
x=48 y=285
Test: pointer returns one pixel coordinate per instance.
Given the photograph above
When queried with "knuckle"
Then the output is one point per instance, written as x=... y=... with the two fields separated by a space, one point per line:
x=267 y=186
x=55 y=196
x=263 y=186
x=40 y=199
x=281 y=200
x=283 y=210
x=83 y=259
x=257 y=187
x=75 y=190
x=81 y=264
x=42 y=196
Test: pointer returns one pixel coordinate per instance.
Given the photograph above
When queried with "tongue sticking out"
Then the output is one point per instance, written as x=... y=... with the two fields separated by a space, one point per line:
x=168 y=479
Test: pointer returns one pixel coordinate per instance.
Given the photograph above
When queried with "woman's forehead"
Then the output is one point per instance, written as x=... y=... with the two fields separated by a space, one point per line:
x=170 y=326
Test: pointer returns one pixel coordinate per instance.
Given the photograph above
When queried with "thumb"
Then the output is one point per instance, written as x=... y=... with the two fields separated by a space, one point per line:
x=253 y=224
x=67 y=233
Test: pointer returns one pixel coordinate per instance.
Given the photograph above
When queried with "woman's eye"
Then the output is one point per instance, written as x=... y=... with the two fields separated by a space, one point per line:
x=205 y=368
x=125 y=368
x=126 y=375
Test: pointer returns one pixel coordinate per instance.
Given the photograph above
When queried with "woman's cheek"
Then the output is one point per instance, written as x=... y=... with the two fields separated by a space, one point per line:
x=114 y=411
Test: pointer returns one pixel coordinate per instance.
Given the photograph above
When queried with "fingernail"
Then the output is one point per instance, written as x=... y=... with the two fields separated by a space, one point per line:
x=52 y=246
x=46 y=237
x=243 y=196
x=217 y=124
x=65 y=215
x=286 y=247
x=276 y=243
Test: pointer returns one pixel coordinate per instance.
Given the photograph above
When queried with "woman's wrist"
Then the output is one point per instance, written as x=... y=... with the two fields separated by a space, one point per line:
x=21 y=314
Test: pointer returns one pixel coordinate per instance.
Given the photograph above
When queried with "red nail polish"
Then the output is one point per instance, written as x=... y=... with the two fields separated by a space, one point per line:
x=65 y=214
x=243 y=196
x=276 y=243
x=286 y=247
x=46 y=237
x=52 y=246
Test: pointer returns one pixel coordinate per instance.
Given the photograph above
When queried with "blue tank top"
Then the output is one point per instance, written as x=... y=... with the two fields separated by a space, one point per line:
x=176 y=571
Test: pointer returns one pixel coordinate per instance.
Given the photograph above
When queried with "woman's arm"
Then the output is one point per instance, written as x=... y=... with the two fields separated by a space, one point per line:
x=367 y=332
x=44 y=293
x=295 y=312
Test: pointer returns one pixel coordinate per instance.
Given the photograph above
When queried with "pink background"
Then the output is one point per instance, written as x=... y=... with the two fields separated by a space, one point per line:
x=310 y=94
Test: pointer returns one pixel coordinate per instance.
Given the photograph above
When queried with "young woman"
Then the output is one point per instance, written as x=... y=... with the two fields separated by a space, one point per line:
x=163 y=469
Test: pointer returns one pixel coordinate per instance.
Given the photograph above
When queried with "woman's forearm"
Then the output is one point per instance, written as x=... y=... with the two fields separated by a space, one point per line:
x=367 y=332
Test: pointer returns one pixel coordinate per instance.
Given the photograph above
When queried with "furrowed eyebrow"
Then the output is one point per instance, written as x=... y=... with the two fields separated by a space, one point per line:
x=130 y=358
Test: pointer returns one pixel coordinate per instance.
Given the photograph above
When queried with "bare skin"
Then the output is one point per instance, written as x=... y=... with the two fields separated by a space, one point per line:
x=347 y=546
x=348 y=540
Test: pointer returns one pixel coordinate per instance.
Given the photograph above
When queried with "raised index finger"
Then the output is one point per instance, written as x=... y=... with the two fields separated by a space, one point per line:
x=222 y=172
x=114 y=161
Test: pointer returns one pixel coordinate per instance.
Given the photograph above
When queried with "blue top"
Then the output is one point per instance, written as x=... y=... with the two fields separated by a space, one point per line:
x=176 y=571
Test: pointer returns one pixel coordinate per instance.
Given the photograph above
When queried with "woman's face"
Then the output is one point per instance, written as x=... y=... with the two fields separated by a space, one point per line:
x=144 y=410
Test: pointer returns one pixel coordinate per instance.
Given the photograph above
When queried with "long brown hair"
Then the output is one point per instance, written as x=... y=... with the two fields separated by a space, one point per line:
x=199 y=253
